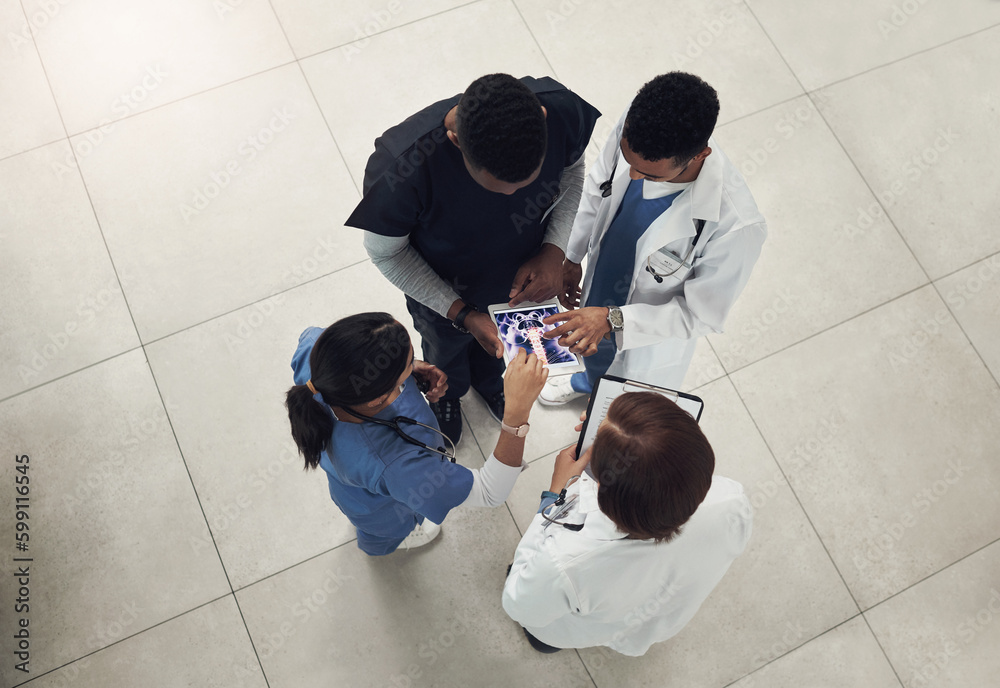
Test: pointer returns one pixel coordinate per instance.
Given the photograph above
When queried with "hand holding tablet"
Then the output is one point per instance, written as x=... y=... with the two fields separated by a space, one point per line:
x=523 y=327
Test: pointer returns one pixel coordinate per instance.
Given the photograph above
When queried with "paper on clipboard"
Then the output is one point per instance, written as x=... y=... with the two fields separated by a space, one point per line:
x=608 y=388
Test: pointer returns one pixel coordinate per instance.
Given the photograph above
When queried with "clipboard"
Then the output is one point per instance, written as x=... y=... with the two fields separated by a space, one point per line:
x=609 y=388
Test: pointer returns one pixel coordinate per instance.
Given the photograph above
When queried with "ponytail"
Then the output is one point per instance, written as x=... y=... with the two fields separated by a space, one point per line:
x=357 y=359
x=311 y=423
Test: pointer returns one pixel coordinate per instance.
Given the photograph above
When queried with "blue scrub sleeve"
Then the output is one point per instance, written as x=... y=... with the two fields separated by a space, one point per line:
x=428 y=483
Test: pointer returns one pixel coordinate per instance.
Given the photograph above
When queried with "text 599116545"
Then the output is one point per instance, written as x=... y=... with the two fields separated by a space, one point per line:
x=22 y=486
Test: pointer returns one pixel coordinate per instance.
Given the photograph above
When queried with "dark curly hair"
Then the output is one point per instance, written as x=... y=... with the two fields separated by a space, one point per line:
x=501 y=127
x=672 y=116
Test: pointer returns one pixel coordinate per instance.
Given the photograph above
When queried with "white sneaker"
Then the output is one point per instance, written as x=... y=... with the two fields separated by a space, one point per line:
x=558 y=390
x=421 y=535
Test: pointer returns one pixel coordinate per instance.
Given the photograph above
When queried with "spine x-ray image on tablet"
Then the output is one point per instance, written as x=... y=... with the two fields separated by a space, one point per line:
x=522 y=328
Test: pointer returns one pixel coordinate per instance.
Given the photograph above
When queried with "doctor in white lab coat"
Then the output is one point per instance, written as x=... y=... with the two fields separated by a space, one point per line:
x=668 y=304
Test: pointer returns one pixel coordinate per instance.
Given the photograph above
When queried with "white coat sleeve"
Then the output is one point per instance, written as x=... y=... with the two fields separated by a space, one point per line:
x=707 y=296
x=491 y=484
x=584 y=224
x=537 y=592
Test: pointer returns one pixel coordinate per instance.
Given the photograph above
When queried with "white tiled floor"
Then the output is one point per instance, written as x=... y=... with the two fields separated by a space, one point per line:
x=174 y=177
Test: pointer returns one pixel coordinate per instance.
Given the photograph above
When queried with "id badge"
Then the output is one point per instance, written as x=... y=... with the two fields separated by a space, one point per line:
x=667 y=263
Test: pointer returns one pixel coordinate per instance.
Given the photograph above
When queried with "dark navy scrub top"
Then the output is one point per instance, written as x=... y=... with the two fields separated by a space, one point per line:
x=416 y=185
x=383 y=484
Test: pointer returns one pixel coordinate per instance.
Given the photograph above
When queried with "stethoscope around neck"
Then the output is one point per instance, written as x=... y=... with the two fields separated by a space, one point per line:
x=395 y=424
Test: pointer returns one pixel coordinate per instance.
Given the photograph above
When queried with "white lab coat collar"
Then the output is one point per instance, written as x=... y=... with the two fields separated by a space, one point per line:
x=597 y=526
x=700 y=201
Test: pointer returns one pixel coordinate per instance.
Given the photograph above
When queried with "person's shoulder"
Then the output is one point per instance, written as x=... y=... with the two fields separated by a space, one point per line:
x=739 y=208
x=429 y=122
x=300 y=359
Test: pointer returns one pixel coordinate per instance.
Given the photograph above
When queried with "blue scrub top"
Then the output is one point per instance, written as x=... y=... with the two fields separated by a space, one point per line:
x=382 y=483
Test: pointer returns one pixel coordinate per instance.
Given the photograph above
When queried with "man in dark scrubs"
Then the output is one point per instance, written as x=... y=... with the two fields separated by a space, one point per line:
x=468 y=203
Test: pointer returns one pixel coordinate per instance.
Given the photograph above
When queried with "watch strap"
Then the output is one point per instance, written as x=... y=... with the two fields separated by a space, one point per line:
x=459 y=321
x=516 y=431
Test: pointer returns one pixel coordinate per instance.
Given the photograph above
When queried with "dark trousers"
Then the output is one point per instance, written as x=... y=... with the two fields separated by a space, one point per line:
x=458 y=354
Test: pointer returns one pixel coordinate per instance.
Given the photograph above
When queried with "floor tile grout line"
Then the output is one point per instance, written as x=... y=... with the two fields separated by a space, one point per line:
x=840 y=143
x=81 y=369
x=123 y=639
x=292 y=566
x=880 y=647
x=864 y=613
x=296 y=59
x=930 y=575
x=187 y=469
x=968 y=338
x=904 y=57
x=329 y=127
x=795 y=494
x=262 y=299
x=585 y=667
x=794 y=649
x=538 y=45
x=386 y=30
x=823 y=331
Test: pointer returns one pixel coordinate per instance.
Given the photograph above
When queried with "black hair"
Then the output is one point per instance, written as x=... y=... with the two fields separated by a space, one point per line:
x=357 y=359
x=501 y=127
x=672 y=116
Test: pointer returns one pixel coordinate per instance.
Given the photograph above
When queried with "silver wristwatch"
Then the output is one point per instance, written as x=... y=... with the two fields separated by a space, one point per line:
x=616 y=319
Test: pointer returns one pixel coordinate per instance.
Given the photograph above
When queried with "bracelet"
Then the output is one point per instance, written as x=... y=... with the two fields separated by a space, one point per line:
x=459 y=322
x=546 y=493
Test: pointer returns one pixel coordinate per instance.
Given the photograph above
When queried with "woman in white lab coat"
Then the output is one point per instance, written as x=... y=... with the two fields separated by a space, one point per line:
x=663 y=310
x=635 y=552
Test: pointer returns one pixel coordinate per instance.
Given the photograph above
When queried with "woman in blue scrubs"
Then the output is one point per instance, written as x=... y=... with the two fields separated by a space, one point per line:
x=357 y=412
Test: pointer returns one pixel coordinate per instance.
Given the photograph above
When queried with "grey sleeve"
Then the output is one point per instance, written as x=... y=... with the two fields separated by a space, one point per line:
x=564 y=212
x=404 y=267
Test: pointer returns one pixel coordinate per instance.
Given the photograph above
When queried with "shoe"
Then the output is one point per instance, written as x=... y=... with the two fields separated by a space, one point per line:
x=449 y=417
x=421 y=535
x=558 y=390
x=538 y=644
x=496 y=404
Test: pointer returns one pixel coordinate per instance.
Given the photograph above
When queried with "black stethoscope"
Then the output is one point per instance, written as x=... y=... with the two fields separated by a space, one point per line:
x=398 y=421
x=561 y=506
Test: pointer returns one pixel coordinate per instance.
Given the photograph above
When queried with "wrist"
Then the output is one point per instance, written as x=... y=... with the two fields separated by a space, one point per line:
x=515 y=417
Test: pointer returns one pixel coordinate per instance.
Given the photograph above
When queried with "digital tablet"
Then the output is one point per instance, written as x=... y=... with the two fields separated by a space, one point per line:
x=521 y=327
